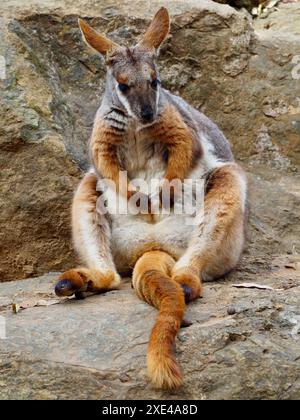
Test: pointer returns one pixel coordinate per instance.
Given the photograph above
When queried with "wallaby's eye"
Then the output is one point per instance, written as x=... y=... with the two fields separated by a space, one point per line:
x=154 y=83
x=123 y=87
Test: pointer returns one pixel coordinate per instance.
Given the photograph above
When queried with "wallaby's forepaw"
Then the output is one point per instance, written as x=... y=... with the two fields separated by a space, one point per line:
x=190 y=282
x=79 y=280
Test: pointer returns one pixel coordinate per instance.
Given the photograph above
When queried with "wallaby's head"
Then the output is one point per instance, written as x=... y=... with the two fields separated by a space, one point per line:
x=132 y=72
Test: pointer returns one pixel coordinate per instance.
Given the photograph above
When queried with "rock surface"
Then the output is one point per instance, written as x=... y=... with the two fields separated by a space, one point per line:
x=243 y=343
x=284 y=19
x=242 y=79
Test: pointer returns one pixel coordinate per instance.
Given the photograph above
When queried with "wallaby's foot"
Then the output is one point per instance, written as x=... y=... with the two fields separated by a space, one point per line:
x=190 y=282
x=79 y=280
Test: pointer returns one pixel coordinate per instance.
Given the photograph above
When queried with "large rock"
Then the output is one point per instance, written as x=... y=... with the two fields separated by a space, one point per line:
x=243 y=343
x=243 y=79
x=53 y=86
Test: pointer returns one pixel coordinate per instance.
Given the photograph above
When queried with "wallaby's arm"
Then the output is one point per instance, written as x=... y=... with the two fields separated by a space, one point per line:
x=103 y=146
x=172 y=131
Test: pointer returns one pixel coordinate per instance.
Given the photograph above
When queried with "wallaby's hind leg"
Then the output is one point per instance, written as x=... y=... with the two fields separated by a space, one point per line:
x=217 y=243
x=91 y=235
x=152 y=282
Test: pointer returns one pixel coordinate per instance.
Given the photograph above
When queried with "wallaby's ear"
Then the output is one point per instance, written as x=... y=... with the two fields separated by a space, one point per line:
x=157 y=31
x=95 y=40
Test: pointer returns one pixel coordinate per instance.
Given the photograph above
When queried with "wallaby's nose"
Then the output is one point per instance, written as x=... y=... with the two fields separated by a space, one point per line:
x=147 y=114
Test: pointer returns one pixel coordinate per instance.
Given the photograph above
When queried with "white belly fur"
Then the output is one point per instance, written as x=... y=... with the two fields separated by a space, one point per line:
x=132 y=235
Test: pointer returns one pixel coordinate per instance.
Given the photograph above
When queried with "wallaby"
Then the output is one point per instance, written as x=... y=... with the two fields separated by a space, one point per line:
x=143 y=129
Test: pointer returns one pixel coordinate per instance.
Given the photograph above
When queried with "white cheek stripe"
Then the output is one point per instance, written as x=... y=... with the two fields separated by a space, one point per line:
x=126 y=104
x=157 y=97
x=124 y=101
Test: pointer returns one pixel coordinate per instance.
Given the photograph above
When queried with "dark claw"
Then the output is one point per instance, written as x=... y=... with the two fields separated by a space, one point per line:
x=64 y=288
x=187 y=292
x=186 y=323
x=79 y=295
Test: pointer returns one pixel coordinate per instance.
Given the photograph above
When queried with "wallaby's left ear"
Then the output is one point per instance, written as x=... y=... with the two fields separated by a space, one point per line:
x=157 y=31
x=96 y=40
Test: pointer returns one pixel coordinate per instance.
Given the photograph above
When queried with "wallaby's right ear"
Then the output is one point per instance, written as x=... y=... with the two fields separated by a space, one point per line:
x=95 y=40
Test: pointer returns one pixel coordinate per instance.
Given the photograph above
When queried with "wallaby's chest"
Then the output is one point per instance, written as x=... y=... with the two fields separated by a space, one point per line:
x=142 y=157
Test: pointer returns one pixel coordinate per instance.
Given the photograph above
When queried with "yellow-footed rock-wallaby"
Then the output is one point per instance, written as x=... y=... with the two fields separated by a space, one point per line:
x=146 y=131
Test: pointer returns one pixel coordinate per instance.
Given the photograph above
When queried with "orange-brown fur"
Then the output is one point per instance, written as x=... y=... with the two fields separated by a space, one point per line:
x=85 y=279
x=103 y=151
x=96 y=40
x=152 y=282
x=189 y=277
x=122 y=78
x=92 y=278
x=158 y=30
x=170 y=130
x=88 y=191
x=223 y=197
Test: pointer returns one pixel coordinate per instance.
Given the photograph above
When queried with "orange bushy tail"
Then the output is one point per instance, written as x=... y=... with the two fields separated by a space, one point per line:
x=152 y=282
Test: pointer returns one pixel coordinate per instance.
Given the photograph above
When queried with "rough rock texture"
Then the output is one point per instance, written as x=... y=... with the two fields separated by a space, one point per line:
x=284 y=19
x=53 y=85
x=243 y=343
x=243 y=76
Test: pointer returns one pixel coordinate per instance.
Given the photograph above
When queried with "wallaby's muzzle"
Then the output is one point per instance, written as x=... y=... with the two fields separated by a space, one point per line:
x=147 y=114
